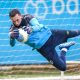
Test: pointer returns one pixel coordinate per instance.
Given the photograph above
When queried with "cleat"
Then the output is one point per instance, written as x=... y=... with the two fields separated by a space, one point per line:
x=66 y=45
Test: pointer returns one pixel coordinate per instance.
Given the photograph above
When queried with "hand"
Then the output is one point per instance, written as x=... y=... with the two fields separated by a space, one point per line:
x=14 y=33
x=27 y=29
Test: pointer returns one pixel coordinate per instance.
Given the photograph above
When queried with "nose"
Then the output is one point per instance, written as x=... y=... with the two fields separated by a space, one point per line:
x=16 y=23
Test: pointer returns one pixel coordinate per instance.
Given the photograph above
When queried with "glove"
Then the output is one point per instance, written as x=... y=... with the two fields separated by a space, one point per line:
x=27 y=29
x=14 y=34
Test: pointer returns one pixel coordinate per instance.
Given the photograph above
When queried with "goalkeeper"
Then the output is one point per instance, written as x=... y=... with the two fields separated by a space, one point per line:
x=42 y=38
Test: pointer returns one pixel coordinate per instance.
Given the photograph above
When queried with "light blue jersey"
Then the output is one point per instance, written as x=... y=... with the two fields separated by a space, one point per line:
x=39 y=35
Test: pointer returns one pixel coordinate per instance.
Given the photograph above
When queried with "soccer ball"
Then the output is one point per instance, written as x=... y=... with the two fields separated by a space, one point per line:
x=24 y=34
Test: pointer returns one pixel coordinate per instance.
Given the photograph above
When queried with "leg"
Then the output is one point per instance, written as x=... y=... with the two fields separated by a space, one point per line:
x=61 y=36
x=59 y=62
x=52 y=56
x=72 y=33
x=68 y=33
x=48 y=51
x=62 y=56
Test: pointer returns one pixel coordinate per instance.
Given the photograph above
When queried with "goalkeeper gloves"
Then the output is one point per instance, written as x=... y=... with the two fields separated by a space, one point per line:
x=27 y=29
x=14 y=34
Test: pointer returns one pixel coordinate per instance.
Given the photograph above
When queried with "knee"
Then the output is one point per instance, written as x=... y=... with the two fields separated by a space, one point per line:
x=63 y=68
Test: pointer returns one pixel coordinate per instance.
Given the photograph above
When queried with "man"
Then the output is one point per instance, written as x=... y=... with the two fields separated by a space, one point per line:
x=42 y=38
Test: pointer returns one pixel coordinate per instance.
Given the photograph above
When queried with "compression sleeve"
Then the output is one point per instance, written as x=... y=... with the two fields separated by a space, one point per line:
x=12 y=42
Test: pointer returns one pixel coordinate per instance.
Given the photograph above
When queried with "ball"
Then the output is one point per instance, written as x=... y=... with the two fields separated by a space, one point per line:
x=24 y=34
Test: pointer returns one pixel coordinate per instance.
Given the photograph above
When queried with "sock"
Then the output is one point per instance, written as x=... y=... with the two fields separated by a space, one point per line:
x=64 y=49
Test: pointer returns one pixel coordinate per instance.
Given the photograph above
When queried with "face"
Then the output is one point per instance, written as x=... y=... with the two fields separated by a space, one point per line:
x=16 y=19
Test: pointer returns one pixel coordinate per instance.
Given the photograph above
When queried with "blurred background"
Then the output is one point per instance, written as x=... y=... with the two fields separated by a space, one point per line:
x=55 y=14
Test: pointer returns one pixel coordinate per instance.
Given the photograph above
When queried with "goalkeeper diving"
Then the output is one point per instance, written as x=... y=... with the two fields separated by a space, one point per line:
x=27 y=29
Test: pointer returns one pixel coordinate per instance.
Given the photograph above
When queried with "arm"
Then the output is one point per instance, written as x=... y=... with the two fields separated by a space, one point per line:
x=12 y=39
x=35 y=24
x=15 y=35
x=12 y=42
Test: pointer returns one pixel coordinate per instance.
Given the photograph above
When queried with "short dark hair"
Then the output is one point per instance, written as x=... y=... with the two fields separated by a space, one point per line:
x=13 y=12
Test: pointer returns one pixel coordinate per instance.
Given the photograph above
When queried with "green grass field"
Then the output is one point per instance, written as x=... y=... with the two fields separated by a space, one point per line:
x=18 y=71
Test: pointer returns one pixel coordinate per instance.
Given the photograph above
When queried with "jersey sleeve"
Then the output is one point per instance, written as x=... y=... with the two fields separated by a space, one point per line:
x=12 y=42
x=35 y=24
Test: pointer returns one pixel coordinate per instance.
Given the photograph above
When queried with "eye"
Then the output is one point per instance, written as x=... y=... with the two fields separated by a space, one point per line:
x=14 y=21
